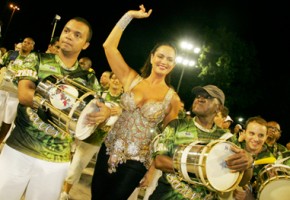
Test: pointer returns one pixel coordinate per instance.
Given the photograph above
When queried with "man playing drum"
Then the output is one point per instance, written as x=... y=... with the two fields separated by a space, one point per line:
x=267 y=182
x=35 y=158
x=208 y=101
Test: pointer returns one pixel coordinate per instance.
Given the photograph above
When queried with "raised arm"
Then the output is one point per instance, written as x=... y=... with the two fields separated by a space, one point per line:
x=114 y=57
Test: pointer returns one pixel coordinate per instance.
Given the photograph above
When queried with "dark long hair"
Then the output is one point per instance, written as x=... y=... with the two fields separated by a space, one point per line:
x=147 y=67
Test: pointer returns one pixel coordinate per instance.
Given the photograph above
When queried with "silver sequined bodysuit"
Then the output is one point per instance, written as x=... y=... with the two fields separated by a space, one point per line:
x=134 y=130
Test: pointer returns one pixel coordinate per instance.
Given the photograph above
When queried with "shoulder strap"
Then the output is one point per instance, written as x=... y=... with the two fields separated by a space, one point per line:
x=226 y=136
x=9 y=56
x=168 y=97
x=79 y=73
x=13 y=55
x=137 y=80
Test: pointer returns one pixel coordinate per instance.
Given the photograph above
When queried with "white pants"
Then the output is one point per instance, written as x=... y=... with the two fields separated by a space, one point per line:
x=38 y=179
x=8 y=106
x=83 y=154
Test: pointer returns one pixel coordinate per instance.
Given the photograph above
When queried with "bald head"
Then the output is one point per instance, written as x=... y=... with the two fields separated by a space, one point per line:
x=274 y=132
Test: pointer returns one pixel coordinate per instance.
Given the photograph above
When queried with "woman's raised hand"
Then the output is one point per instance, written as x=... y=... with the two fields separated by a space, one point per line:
x=140 y=13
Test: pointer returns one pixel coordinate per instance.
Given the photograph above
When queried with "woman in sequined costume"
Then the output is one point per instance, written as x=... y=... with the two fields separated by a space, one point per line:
x=125 y=157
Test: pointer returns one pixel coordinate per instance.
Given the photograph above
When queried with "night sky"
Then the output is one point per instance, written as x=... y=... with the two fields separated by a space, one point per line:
x=265 y=24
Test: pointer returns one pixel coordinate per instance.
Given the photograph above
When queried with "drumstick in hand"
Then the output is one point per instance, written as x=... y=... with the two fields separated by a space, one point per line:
x=268 y=160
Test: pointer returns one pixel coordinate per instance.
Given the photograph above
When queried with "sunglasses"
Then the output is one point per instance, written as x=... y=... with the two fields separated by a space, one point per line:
x=205 y=96
x=274 y=128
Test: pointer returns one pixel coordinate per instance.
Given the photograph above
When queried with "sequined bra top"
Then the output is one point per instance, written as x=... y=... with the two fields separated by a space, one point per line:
x=133 y=132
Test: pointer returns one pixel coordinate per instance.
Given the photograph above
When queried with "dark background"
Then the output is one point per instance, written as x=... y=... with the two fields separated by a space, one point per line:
x=265 y=24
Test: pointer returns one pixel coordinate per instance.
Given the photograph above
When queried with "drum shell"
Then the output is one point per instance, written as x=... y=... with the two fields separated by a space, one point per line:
x=192 y=160
x=67 y=105
x=273 y=182
x=192 y=164
x=42 y=89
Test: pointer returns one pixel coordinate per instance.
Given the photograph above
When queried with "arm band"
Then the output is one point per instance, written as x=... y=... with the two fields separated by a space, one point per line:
x=124 y=21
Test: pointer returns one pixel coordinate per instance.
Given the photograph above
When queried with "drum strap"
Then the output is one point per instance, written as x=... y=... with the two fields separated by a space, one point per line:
x=12 y=56
x=226 y=136
x=77 y=73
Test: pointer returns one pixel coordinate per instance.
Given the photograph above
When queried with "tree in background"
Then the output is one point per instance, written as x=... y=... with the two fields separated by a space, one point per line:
x=230 y=63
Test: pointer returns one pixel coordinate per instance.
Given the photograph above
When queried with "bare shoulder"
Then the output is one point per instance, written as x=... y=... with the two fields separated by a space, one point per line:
x=173 y=109
x=175 y=99
x=127 y=82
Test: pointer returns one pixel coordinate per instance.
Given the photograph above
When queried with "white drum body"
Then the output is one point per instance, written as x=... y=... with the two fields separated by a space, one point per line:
x=274 y=182
x=68 y=103
x=204 y=164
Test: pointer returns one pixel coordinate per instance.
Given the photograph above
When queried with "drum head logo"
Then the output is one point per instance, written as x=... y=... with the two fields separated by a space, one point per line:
x=63 y=96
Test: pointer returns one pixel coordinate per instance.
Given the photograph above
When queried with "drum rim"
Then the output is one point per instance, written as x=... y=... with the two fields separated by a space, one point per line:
x=86 y=134
x=181 y=169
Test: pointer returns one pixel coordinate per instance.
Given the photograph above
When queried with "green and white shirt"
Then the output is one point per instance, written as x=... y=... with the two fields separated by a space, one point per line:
x=31 y=134
x=182 y=132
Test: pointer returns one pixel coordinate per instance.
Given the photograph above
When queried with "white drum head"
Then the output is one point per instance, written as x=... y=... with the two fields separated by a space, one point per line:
x=218 y=174
x=111 y=121
x=83 y=130
x=276 y=189
x=63 y=96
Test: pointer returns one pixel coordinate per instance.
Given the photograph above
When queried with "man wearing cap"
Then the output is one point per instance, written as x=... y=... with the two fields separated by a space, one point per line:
x=208 y=101
x=228 y=122
x=238 y=130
